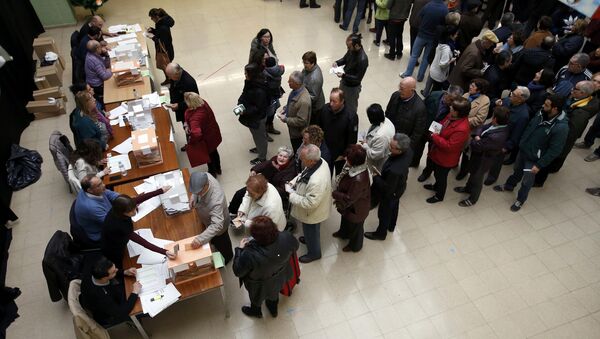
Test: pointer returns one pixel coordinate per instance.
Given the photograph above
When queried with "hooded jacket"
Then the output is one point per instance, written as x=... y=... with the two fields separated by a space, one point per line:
x=162 y=33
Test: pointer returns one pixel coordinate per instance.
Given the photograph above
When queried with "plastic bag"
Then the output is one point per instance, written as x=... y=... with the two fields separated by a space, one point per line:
x=24 y=167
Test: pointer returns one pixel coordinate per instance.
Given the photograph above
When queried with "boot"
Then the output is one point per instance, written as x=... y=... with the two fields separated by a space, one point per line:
x=272 y=307
x=272 y=130
x=252 y=311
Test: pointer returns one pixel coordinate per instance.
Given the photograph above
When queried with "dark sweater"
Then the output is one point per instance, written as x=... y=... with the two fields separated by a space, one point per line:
x=185 y=84
x=340 y=129
x=162 y=33
x=518 y=119
x=431 y=16
x=106 y=303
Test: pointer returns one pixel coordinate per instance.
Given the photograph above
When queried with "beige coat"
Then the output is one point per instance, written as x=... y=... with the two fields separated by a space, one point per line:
x=298 y=113
x=377 y=144
x=479 y=110
x=311 y=202
x=269 y=205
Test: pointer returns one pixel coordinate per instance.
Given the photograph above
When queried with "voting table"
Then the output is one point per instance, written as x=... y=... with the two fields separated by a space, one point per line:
x=172 y=227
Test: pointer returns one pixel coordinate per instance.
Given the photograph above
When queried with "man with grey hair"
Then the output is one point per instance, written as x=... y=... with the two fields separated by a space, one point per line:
x=296 y=114
x=181 y=82
x=572 y=73
x=390 y=184
x=209 y=201
x=97 y=68
x=310 y=196
x=581 y=107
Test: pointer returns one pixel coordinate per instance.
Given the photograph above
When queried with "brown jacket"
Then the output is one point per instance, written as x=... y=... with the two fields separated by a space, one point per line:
x=535 y=39
x=468 y=67
x=298 y=113
x=353 y=196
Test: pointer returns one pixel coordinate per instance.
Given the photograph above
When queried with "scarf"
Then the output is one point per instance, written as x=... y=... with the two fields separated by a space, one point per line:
x=473 y=97
x=350 y=171
x=581 y=102
x=307 y=173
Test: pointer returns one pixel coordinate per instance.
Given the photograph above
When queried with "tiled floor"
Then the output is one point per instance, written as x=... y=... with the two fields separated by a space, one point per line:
x=482 y=272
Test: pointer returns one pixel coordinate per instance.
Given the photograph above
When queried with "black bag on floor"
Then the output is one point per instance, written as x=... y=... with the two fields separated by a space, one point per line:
x=24 y=167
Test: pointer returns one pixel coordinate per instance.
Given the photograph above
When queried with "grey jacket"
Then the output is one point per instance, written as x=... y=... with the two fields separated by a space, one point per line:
x=399 y=9
x=313 y=81
x=212 y=211
x=298 y=113
x=60 y=153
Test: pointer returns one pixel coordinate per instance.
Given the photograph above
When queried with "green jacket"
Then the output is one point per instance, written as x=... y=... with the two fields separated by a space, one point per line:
x=542 y=140
x=381 y=10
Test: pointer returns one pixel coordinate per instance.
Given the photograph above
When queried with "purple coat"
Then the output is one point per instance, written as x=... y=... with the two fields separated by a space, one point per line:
x=97 y=69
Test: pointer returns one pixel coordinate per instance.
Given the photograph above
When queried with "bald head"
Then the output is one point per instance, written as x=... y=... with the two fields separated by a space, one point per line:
x=93 y=46
x=407 y=87
x=97 y=21
x=173 y=71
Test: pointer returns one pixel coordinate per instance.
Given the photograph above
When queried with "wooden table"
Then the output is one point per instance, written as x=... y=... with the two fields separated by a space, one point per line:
x=162 y=122
x=175 y=227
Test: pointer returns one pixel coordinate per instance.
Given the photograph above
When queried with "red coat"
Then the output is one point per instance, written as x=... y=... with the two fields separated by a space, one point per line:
x=448 y=145
x=204 y=134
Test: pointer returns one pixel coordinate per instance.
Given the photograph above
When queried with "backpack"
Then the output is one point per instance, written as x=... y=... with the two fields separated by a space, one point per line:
x=295 y=279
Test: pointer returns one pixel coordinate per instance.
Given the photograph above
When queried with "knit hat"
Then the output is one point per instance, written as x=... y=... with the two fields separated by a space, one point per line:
x=489 y=35
x=197 y=182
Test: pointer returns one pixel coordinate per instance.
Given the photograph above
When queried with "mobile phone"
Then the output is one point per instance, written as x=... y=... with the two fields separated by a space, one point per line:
x=115 y=177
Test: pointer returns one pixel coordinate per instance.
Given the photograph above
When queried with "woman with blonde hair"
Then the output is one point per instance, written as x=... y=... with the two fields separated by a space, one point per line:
x=88 y=122
x=203 y=134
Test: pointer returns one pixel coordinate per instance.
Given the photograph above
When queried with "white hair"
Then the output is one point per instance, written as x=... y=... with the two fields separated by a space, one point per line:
x=312 y=152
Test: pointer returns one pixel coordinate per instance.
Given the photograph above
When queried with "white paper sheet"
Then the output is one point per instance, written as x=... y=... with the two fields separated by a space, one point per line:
x=117 y=28
x=112 y=54
x=113 y=163
x=128 y=42
x=334 y=70
x=171 y=136
x=157 y=301
x=135 y=28
x=110 y=40
x=114 y=122
x=145 y=208
x=435 y=127
x=144 y=187
x=115 y=112
x=150 y=278
x=124 y=147
x=153 y=98
x=148 y=257
x=121 y=65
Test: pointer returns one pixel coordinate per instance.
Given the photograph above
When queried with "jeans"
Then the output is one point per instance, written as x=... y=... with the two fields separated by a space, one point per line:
x=379 y=26
x=312 y=237
x=338 y=9
x=360 y=11
x=259 y=135
x=387 y=212
x=395 y=30
x=354 y=232
x=415 y=52
x=522 y=172
x=351 y=96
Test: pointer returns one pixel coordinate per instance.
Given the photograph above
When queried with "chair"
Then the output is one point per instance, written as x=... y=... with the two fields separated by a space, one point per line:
x=61 y=149
x=74 y=184
x=84 y=325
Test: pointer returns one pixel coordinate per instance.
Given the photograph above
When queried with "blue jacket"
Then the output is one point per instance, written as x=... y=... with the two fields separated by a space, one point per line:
x=431 y=16
x=91 y=211
x=543 y=141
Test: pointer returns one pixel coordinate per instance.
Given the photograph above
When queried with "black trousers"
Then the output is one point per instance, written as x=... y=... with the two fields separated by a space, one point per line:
x=296 y=142
x=338 y=9
x=387 y=212
x=480 y=165
x=395 y=29
x=354 y=232
x=223 y=244
x=214 y=166
x=493 y=12
x=236 y=201
x=418 y=149
x=440 y=174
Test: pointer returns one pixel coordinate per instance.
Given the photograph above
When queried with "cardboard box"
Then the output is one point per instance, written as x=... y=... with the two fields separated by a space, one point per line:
x=43 y=109
x=145 y=146
x=50 y=92
x=52 y=74
x=47 y=44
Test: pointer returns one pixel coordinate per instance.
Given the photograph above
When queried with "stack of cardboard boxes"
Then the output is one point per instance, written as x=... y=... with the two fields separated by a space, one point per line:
x=49 y=99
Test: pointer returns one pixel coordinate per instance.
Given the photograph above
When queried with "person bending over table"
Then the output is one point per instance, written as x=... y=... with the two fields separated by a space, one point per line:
x=209 y=200
x=118 y=228
x=103 y=295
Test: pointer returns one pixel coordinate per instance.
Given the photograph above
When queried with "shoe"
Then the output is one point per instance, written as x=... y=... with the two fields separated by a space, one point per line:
x=347 y=248
x=302 y=240
x=423 y=93
x=399 y=56
x=219 y=172
x=419 y=79
x=516 y=206
x=430 y=187
x=489 y=181
x=502 y=188
x=461 y=175
x=342 y=27
x=593 y=191
x=256 y=161
x=422 y=177
x=253 y=150
x=402 y=75
x=183 y=148
x=303 y=5
x=272 y=130
x=306 y=259
x=508 y=162
x=582 y=145
x=372 y=30
x=375 y=43
x=373 y=236
x=417 y=64
x=315 y=6
x=433 y=199
x=592 y=157
x=252 y=312
x=272 y=307
x=269 y=139
x=460 y=189
x=289 y=226
x=338 y=235
x=385 y=42
x=389 y=56
x=465 y=203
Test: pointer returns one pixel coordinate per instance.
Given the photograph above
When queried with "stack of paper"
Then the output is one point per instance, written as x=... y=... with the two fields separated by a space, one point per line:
x=117 y=28
x=145 y=208
x=150 y=278
x=120 y=110
x=176 y=199
x=153 y=99
x=157 y=301
x=115 y=161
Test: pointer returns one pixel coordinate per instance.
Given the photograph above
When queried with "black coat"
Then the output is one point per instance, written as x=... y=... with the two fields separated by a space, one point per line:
x=356 y=64
x=255 y=98
x=491 y=143
x=185 y=84
x=565 y=48
x=536 y=99
x=391 y=184
x=340 y=129
x=60 y=265
x=499 y=81
x=530 y=61
x=264 y=269
x=409 y=117
x=162 y=33
x=469 y=27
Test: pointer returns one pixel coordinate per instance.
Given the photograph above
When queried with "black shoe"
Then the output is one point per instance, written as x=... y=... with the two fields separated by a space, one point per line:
x=466 y=203
x=430 y=187
x=516 y=206
x=461 y=175
x=342 y=27
x=184 y=148
x=376 y=43
x=489 y=181
x=256 y=161
x=305 y=259
x=460 y=189
x=269 y=139
x=302 y=240
x=272 y=307
x=422 y=177
x=502 y=188
x=373 y=236
x=389 y=56
x=303 y=5
x=399 y=56
x=219 y=172
x=338 y=234
x=433 y=199
x=348 y=248
x=373 y=30
x=253 y=150
x=385 y=42
x=272 y=130
x=508 y=162
x=315 y=6
x=252 y=311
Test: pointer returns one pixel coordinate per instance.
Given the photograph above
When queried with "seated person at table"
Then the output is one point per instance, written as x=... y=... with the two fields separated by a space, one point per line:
x=87 y=122
x=118 y=229
x=104 y=296
x=88 y=159
x=209 y=200
x=94 y=201
x=261 y=198
x=97 y=68
x=278 y=170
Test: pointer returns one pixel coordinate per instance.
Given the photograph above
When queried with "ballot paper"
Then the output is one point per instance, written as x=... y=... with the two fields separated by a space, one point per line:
x=113 y=163
x=128 y=42
x=335 y=70
x=124 y=147
x=115 y=112
x=150 y=278
x=144 y=187
x=157 y=301
x=153 y=99
x=435 y=127
x=134 y=248
x=117 y=28
x=121 y=65
x=145 y=208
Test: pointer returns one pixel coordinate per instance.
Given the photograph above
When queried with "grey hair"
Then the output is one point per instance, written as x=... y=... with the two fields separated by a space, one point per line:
x=582 y=59
x=453 y=18
x=286 y=149
x=455 y=90
x=587 y=87
x=525 y=93
x=507 y=19
x=403 y=141
x=312 y=152
x=297 y=77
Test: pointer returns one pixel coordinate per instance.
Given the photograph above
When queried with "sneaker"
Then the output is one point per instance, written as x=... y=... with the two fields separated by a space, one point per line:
x=502 y=188
x=256 y=161
x=403 y=75
x=516 y=206
x=466 y=203
x=582 y=145
x=593 y=191
x=389 y=56
x=434 y=199
x=253 y=150
x=592 y=157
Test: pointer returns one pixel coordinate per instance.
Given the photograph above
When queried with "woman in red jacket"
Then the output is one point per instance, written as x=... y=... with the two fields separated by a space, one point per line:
x=203 y=134
x=446 y=147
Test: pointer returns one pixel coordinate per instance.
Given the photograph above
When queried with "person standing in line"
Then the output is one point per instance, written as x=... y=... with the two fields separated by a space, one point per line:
x=377 y=139
x=181 y=82
x=313 y=81
x=382 y=15
x=162 y=34
x=444 y=58
x=360 y=6
x=310 y=196
x=355 y=63
x=390 y=185
x=296 y=114
x=399 y=10
x=313 y=4
x=255 y=99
